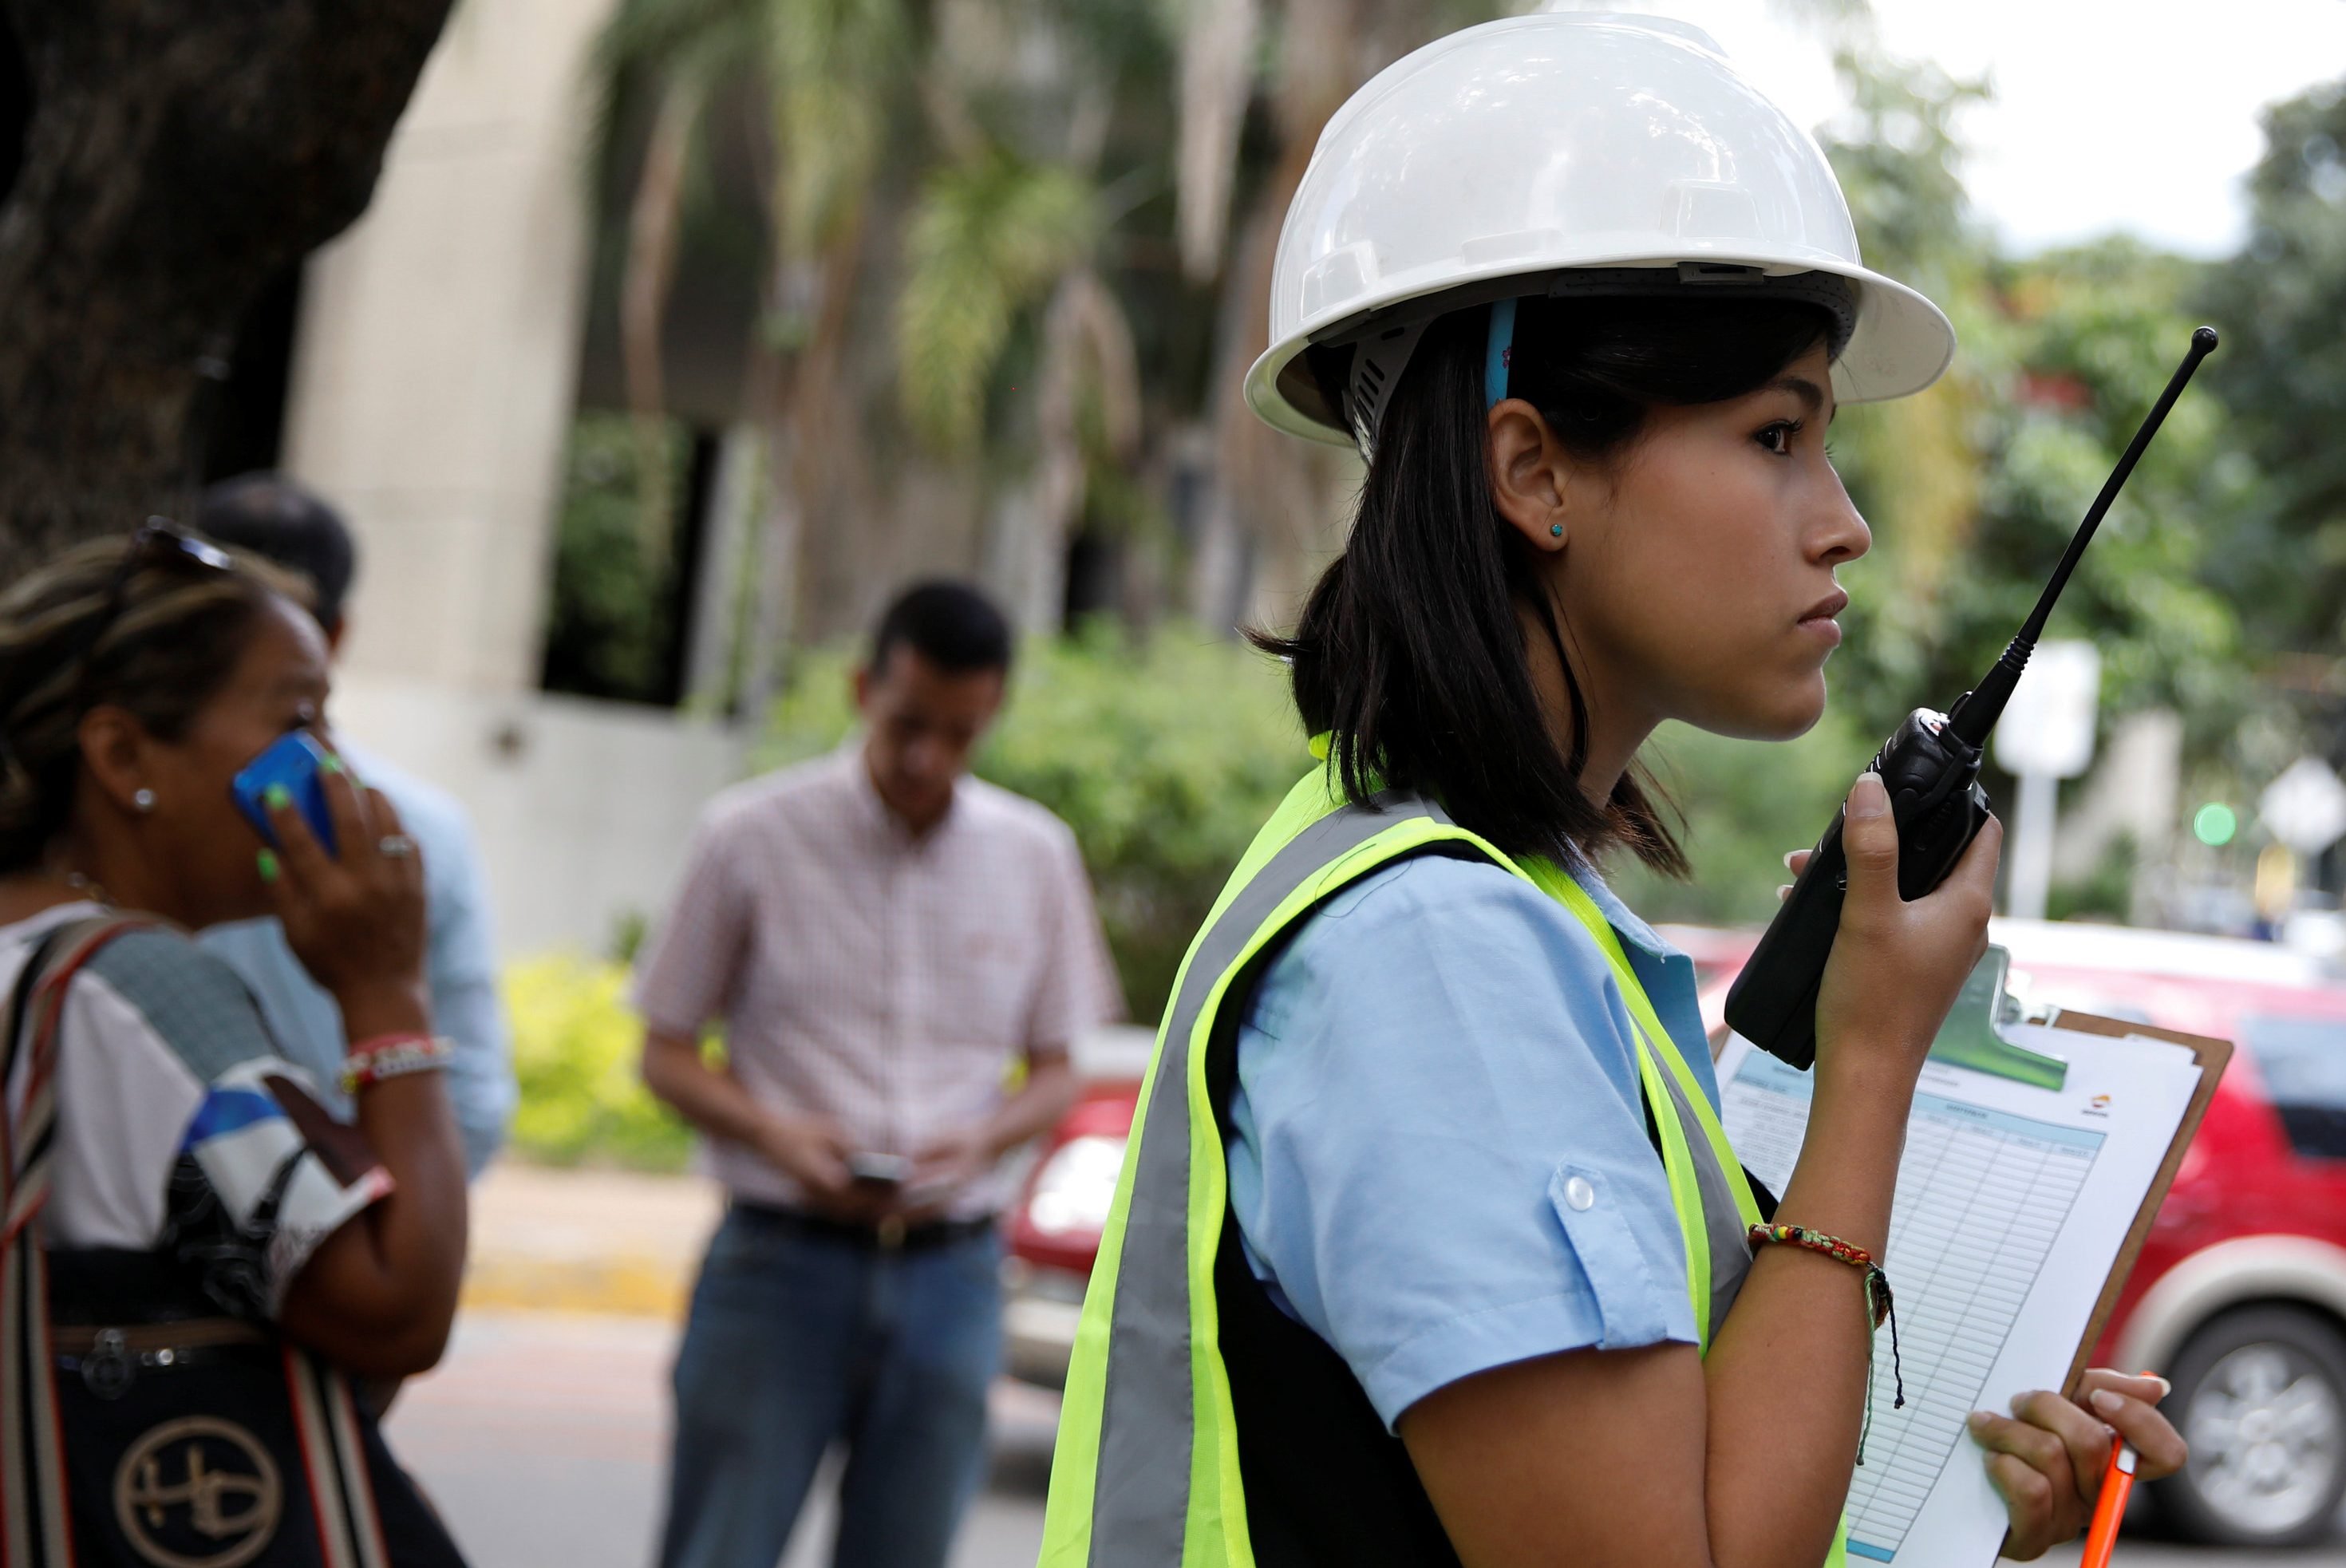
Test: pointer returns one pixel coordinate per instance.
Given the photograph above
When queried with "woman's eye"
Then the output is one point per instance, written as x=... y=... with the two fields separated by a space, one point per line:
x=1777 y=437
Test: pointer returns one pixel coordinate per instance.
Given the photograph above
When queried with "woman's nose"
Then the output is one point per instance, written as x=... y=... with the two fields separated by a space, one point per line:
x=1840 y=534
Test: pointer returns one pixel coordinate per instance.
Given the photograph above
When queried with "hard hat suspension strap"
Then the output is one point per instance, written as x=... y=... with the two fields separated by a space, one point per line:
x=1499 y=357
x=1377 y=361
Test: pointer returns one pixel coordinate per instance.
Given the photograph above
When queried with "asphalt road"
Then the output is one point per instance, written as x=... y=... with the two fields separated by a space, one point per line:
x=542 y=1438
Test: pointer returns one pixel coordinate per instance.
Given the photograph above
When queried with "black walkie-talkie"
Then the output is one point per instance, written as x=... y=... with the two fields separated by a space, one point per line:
x=1931 y=769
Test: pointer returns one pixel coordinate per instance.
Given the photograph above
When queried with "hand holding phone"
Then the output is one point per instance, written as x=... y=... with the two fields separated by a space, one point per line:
x=879 y=1173
x=354 y=916
x=296 y=762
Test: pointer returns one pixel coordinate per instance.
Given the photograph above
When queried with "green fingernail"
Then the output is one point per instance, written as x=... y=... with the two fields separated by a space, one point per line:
x=278 y=796
x=268 y=861
x=330 y=764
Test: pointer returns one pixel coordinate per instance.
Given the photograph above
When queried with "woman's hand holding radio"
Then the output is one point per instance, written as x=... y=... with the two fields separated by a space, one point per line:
x=355 y=921
x=1897 y=966
x=1895 y=970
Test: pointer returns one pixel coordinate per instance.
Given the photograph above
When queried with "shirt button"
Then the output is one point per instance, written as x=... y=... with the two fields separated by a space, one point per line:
x=1578 y=1193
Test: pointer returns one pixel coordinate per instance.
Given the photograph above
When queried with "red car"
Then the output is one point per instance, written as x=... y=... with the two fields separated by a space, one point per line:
x=2239 y=1298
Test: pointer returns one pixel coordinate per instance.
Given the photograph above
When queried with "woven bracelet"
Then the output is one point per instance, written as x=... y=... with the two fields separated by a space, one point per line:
x=1879 y=1307
x=393 y=1056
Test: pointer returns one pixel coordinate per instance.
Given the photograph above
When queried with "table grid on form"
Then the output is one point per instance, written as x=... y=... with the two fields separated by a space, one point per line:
x=1981 y=1197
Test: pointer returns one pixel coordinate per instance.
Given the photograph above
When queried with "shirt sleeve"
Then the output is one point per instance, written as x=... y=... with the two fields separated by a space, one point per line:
x=1438 y=1060
x=1078 y=990
x=261 y=1173
x=691 y=964
x=465 y=1004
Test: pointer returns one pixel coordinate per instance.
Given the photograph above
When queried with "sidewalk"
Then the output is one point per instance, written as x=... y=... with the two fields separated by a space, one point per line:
x=608 y=1242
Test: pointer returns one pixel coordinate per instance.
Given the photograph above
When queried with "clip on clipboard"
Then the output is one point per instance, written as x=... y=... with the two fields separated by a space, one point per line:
x=1973 y=1035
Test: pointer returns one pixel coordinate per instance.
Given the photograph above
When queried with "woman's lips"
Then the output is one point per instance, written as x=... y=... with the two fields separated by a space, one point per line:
x=1819 y=618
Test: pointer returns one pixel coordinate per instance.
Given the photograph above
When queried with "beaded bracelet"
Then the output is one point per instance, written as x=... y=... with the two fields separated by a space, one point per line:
x=1878 y=1305
x=393 y=1056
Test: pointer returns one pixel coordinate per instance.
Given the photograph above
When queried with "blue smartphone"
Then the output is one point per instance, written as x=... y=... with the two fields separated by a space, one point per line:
x=293 y=761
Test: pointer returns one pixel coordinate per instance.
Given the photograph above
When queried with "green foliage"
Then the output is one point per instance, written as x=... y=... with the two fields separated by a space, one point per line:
x=2095 y=333
x=576 y=1046
x=1165 y=757
x=2281 y=307
x=1745 y=803
x=609 y=628
x=837 y=68
x=2105 y=893
x=1900 y=164
x=1974 y=487
x=987 y=239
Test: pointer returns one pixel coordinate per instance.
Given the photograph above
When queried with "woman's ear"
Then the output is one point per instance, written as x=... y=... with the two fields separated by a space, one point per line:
x=1531 y=475
x=117 y=755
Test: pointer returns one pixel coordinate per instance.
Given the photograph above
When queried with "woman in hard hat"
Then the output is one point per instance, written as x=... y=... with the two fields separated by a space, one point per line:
x=1431 y=1248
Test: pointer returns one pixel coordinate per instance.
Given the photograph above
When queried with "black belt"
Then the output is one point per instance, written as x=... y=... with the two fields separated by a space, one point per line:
x=110 y=1359
x=891 y=1234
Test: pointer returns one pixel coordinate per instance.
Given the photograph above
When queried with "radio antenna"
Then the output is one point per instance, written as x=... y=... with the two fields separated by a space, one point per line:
x=1976 y=714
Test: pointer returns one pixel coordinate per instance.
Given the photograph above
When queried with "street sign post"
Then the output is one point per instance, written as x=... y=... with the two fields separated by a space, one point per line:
x=2305 y=807
x=2047 y=736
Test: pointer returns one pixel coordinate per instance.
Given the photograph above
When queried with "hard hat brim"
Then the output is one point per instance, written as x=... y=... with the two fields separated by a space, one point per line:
x=1900 y=344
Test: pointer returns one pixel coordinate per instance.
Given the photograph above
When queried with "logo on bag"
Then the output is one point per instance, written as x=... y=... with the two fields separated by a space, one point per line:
x=198 y=1493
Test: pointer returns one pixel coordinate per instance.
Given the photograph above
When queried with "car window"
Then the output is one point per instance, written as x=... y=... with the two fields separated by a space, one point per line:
x=2303 y=1063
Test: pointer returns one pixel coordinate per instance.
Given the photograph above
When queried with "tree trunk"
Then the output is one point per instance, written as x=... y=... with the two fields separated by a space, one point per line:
x=178 y=154
x=655 y=221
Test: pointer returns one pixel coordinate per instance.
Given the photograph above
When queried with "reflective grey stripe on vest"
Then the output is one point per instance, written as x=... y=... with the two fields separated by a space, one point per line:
x=1730 y=1246
x=1140 y=1496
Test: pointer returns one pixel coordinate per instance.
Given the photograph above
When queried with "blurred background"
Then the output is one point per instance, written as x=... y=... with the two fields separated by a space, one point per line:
x=649 y=344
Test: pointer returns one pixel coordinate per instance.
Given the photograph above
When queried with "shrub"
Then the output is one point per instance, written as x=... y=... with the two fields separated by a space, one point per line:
x=575 y=1045
x=1745 y=803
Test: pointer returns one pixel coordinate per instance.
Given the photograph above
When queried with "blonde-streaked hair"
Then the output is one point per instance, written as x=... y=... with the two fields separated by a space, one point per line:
x=174 y=639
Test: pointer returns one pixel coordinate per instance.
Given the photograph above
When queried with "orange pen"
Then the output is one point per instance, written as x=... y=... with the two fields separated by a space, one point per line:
x=2118 y=1481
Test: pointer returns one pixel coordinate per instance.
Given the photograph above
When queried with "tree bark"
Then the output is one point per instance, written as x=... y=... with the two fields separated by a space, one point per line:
x=179 y=153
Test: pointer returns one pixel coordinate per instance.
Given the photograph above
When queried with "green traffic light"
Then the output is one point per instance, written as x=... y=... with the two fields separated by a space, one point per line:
x=2213 y=824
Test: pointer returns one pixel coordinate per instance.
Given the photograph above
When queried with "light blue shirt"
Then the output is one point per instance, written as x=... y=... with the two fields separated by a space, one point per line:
x=1439 y=1051
x=461 y=965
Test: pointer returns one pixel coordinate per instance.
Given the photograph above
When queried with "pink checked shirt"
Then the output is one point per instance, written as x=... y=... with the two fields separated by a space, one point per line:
x=884 y=981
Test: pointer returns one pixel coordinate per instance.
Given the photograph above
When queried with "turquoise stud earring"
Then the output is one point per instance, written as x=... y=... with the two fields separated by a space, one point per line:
x=1555 y=530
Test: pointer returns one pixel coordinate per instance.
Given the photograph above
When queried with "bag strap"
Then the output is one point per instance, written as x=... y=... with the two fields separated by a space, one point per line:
x=34 y=1515
x=330 y=1423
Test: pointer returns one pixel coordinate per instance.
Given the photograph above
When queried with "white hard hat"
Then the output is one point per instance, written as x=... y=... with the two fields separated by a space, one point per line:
x=1527 y=157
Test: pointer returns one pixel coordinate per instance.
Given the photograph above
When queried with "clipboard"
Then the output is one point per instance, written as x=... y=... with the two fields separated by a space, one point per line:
x=1974 y=1037
x=2036 y=1158
x=2213 y=1056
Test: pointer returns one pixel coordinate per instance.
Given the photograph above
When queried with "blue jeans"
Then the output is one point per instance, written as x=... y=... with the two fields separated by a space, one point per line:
x=797 y=1341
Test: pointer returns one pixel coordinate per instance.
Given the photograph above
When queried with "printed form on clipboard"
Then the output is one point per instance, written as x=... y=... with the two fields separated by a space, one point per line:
x=2015 y=1200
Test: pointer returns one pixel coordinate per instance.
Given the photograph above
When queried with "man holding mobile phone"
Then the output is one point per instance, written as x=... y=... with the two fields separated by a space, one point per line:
x=890 y=946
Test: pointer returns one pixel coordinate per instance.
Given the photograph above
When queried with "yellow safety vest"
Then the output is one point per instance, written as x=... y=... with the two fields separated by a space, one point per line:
x=1146 y=1388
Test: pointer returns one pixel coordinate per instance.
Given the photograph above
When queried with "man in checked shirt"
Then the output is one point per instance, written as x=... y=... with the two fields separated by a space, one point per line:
x=884 y=940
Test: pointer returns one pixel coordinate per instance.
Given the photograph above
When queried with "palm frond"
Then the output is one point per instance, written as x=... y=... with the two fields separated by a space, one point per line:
x=653 y=46
x=659 y=36
x=986 y=242
x=836 y=68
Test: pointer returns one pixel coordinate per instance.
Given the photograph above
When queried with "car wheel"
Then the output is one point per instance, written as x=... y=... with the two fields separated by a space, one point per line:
x=2260 y=1396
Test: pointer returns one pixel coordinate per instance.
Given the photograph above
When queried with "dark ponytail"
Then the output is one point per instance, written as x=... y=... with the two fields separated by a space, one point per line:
x=1410 y=652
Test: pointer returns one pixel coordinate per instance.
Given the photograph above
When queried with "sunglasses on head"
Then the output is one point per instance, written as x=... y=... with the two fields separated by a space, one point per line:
x=157 y=547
